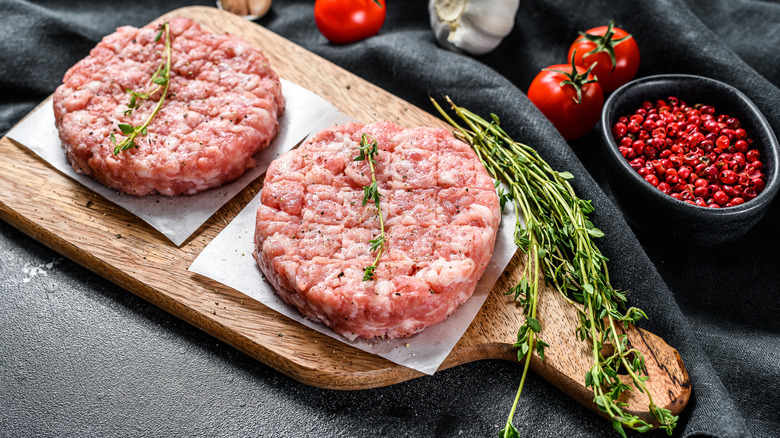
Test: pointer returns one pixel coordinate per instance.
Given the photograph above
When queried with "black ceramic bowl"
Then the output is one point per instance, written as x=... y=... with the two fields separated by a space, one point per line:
x=657 y=214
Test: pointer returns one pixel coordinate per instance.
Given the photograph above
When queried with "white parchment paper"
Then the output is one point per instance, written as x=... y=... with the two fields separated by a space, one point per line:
x=228 y=260
x=178 y=217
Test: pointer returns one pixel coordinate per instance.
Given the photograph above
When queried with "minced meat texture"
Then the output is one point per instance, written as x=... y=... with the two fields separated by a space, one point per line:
x=441 y=215
x=222 y=107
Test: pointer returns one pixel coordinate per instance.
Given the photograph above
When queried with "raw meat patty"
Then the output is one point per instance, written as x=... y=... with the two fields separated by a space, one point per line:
x=312 y=237
x=222 y=107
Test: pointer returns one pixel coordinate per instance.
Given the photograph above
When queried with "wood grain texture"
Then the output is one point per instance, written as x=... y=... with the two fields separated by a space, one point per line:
x=106 y=239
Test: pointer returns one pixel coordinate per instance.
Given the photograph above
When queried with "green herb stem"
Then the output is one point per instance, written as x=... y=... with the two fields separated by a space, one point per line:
x=159 y=80
x=368 y=151
x=558 y=239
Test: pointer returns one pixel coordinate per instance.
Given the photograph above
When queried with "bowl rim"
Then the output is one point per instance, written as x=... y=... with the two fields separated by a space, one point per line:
x=760 y=201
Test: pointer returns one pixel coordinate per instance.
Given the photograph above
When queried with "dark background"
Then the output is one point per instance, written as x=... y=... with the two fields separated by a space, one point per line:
x=80 y=356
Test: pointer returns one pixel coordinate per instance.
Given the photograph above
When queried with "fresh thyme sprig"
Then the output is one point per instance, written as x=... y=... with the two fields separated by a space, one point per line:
x=558 y=239
x=160 y=80
x=368 y=151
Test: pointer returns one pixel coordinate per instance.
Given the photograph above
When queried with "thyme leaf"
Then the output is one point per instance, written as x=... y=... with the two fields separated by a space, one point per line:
x=160 y=80
x=558 y=241
x=509 y=432
x=368 y=150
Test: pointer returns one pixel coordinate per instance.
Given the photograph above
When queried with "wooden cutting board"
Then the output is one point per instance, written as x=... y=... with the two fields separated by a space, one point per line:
x=104 y=238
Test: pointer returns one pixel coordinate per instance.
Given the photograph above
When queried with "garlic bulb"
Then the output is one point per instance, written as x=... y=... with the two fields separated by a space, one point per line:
x=472 y=26
x=249 y=9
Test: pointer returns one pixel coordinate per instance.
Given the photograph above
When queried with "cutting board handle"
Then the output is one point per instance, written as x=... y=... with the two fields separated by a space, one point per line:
x=567 y=359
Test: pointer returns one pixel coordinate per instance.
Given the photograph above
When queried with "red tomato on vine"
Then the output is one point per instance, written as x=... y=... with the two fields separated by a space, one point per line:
x=569 y=96
x=348 y=21
x=613 y=50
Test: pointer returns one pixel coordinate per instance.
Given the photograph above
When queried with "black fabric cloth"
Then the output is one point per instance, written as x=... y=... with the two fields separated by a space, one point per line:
x=80 y=356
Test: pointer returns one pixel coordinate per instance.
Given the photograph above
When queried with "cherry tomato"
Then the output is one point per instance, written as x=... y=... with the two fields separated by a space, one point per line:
x=347 y=21
x=569 y=96
x=613 y=50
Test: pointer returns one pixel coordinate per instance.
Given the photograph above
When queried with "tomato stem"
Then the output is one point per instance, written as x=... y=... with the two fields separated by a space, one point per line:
x=575 y=79
x=605 y=43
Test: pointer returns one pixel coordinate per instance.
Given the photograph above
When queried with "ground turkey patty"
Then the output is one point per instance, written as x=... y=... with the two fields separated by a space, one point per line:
x=312 y=236
x=222 y=107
